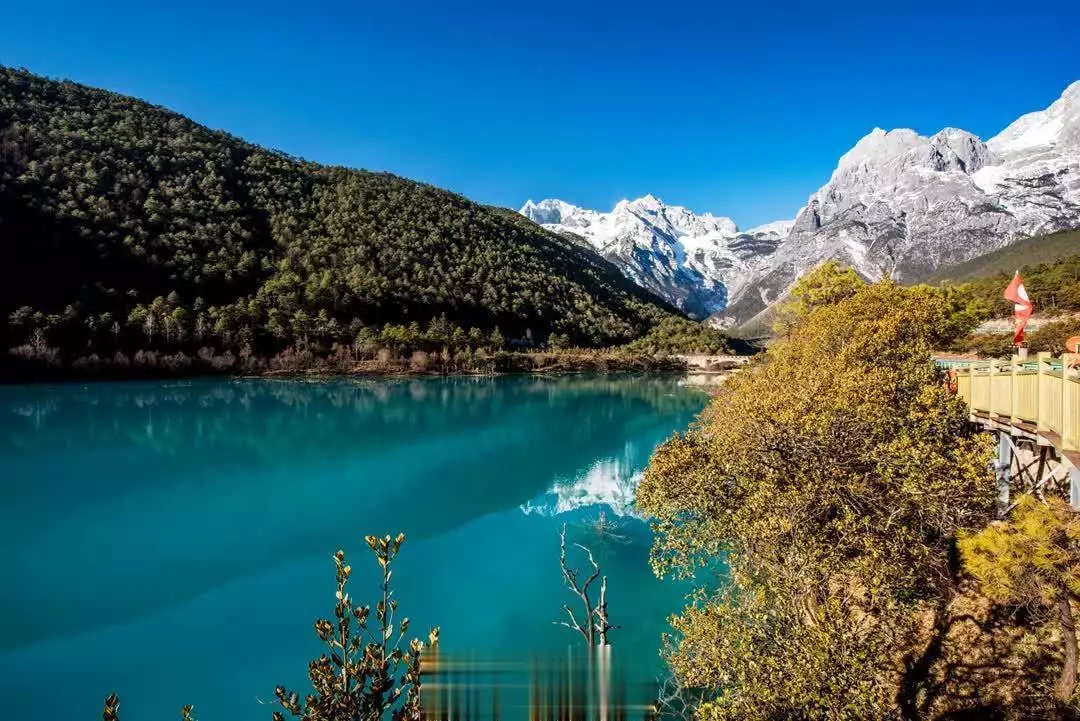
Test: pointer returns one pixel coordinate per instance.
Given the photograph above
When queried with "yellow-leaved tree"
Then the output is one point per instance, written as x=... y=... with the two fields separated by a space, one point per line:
x=1033 y=560
x=826 y=485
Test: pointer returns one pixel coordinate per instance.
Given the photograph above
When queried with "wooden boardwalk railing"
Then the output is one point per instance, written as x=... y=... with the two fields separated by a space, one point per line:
x=1043 y=392
x=1033 y=404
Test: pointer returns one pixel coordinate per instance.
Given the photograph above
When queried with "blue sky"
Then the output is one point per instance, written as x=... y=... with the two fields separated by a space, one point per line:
x=741 y=109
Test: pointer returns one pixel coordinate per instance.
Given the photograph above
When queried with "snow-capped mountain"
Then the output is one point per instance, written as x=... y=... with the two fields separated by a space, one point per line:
x=898 y=205
x=902 y=205
x=694 y=261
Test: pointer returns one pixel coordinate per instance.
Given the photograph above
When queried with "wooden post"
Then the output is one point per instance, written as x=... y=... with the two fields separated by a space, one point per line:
x=1014 y=389
x=971 y=390
x=1043 y=358
x=1066 y=412
x=990 y=387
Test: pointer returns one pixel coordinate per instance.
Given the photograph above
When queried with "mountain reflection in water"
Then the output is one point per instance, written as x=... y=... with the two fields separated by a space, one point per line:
x=171 y=541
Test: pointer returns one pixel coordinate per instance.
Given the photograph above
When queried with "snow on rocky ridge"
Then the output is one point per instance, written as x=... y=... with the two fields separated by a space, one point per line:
x=898 y=205
x=694 y=261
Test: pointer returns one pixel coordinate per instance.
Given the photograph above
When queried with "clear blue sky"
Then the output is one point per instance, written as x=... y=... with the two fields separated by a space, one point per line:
x=736 y=108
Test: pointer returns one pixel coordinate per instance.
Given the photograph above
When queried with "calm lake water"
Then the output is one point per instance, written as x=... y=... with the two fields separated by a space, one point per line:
x=172 y=541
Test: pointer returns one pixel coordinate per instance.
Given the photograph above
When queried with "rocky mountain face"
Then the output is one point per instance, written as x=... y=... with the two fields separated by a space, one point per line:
x=898 y=205
x=694 y=261
x=902 y=205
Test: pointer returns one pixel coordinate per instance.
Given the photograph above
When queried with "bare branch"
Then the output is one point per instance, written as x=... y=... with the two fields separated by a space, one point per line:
x=674 y=700
x=596 y=568
x=596 y=618
x=574 y=625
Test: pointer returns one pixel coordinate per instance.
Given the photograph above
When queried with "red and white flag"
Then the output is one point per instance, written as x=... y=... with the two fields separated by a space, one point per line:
x=1021 y=305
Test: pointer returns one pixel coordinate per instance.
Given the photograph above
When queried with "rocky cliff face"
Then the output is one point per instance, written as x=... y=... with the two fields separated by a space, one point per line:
x=898 y=205
x=902 y=205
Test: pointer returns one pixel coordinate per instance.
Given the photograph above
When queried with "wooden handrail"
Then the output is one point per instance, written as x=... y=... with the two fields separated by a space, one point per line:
x=1043 y=391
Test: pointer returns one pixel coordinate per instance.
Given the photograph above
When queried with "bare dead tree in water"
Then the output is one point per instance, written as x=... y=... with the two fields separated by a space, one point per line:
x=597 y=624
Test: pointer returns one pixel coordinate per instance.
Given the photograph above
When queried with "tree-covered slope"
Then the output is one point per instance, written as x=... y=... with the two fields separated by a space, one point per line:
x=1027 y=252
x=124 y=224
x=1051 y=280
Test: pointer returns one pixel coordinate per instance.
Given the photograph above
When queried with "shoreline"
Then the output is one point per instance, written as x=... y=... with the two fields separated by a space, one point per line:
x=370 y=370
x=49 y=366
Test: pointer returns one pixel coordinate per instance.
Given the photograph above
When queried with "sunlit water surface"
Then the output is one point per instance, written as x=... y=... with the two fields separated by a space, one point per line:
x=172 y=541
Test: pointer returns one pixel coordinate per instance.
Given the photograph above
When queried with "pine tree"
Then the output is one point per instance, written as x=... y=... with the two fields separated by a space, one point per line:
x=1033 y=560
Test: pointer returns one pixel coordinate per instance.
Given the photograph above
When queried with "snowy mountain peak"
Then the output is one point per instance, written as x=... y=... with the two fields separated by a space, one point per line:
x=902 y=205
x=875 y=149
x=548 y=211
x=648 y=202
x=777 y=229
x=956 y=150
x=692 y=260
x=1057 y=125
x=898 y=204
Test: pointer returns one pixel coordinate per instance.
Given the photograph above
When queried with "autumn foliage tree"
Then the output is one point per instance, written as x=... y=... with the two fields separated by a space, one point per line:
x=829 y=283
x=1032 y=560
x=832 y=478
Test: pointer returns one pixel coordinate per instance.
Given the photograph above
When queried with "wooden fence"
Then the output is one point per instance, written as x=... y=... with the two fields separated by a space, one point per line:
x=1043 y=393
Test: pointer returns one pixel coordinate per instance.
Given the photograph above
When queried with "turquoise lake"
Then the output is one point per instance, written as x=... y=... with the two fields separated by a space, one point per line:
x=172 y=541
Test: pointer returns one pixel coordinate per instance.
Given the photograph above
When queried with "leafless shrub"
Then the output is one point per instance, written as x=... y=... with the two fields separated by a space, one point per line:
x=253 y=364
x=292 y=359
x=420 y=361
x=176 y=362
x=87 y=363
x=674 y=701
x=342 y=357
x=37 y=350
x=48 y=356
x=223 y=362
x=146 y=359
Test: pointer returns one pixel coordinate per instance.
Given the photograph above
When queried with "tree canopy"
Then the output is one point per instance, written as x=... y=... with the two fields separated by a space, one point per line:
x=678 y=335
x=832 y=477
x=1032 y=561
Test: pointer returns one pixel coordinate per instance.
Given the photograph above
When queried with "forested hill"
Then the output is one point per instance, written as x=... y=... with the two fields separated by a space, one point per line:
x=1049 y=265
x=124 y=224
x=1027 y=253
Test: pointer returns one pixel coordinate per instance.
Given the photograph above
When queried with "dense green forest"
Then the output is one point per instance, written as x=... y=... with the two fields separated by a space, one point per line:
x=1037 y=250
x=128 y=227
x=1053 y=286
